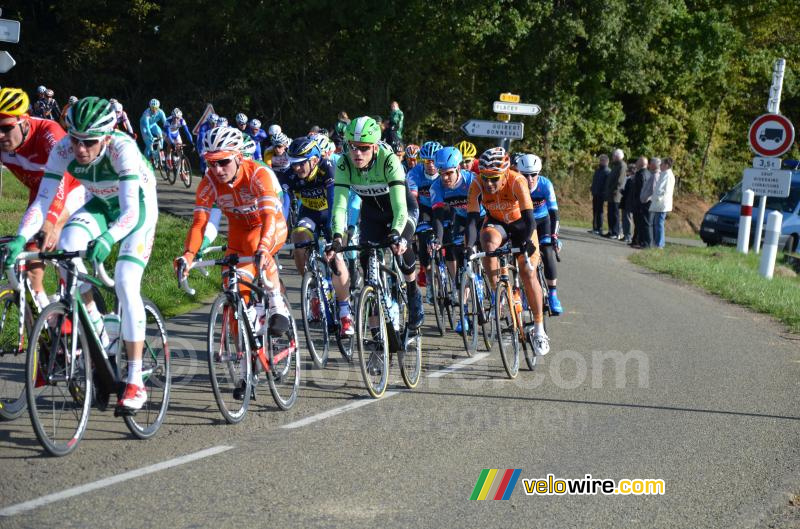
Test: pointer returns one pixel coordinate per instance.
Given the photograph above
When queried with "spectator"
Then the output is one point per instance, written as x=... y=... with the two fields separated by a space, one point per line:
x=644 y=199
x=40 y=105
x=661 y=204
x=628 y=204
x=613 y=192
x=396 y=120
x=641 y=217
x=341 y=123
x=598 y=193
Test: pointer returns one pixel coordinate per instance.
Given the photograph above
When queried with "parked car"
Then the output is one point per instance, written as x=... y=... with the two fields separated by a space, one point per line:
x=721 y=222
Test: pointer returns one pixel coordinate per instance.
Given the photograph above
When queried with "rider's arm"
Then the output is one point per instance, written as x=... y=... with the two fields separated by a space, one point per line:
x=395 y=177
x=341 y=191
x=262 y=186
x=552 y=208
x=34 y=217
x=440 y=209
x=129 y=205
x=187 y=132
x=473 y=213
x=522 y=193
x=203 y=202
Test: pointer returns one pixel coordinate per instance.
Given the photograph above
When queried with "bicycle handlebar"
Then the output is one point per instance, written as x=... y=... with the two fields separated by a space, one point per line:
x=60 y=255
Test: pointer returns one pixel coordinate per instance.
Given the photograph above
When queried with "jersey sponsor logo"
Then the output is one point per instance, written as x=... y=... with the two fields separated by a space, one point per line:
x=371 y=190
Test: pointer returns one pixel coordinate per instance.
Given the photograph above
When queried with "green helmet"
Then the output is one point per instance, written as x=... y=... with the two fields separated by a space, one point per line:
x=248 y=146
x=91 y=116
x=363 y=130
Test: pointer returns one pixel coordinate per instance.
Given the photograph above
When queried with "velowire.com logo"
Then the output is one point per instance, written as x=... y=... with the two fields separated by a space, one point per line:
x=495 y=484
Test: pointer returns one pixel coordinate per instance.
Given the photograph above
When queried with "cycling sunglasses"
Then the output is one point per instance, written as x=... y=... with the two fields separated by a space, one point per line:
x=5 y=129
x=491 y=177
x=88 y=143
x=361 y=148
x=220 y=163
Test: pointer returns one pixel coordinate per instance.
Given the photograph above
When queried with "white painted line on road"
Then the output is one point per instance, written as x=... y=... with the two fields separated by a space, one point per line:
x=82 y=489
x=337 y=411
x=459 y=365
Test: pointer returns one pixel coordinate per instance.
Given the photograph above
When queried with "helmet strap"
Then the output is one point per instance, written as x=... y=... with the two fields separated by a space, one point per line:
x=24 y=131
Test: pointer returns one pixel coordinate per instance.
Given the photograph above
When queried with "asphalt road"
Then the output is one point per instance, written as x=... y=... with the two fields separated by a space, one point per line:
x=647 y=378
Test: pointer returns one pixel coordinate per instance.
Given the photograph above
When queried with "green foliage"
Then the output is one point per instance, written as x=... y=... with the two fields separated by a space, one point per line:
x=680 y=78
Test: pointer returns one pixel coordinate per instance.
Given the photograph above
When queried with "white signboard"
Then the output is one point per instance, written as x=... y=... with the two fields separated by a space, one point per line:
x=493 y=129
x=520 y=109
x=6 y=61
x=766 y=163
x=9 y=30
x=767 y=182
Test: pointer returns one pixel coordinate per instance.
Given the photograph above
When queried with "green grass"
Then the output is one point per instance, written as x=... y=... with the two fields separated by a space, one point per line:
x=730 y=275
x=159 y=283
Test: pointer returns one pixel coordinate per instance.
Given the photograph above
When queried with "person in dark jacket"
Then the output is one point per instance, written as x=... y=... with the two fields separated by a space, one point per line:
x=638 y=215
x=628 y=205
x=598 y=193
x=613 y=195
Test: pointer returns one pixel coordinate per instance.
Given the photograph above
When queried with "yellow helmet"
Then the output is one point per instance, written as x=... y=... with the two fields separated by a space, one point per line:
x=468 y=150
x=13 y=102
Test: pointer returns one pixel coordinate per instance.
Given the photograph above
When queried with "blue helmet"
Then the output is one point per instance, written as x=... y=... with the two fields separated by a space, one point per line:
x=429 y=149
x=302 y=149
x=447 y=158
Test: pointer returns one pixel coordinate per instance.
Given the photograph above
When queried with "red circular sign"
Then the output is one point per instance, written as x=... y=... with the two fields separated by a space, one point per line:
x=771 y=135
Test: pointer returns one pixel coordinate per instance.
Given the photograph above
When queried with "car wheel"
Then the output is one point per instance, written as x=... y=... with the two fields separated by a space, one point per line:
x=791 y=243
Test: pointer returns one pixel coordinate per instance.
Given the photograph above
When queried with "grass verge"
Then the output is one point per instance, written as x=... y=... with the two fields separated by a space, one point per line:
x=159 y=283
x=732 y=276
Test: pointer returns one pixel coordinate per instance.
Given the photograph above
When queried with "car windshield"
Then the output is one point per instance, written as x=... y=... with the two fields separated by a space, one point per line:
x=786 y=204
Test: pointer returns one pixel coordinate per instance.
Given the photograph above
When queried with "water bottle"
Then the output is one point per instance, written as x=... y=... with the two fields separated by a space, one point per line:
x=517 y=302
x=111 y=323
x=394 y=312
x=479 y=290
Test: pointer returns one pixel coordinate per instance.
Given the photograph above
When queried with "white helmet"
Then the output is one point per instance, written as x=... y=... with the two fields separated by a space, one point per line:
x=213 y=119
x=281 y=139
x=248 y=146
x=223 y=139
x=223 y=122
x=274 y=129
x=41 y=90
x=177 y=112
x=241 y=119
x=74 y=99
x=529 y=164
x=155 y=103
x=325 y=145
x=255 y=124
x=117 y=106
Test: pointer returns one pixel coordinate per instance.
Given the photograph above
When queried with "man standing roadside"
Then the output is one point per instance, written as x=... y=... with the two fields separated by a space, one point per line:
x=614 y=184
x=638 y=213
x=598 y=193
x=645 y=197
x=661 y=204
x=396 y=121
x=628 y=205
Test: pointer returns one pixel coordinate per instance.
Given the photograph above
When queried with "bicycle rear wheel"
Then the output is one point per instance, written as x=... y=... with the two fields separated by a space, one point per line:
x=485 y=302
x=410 y=358
x=158 y=166
x=315 y=318
x=155 y=374
x=185 y=169
x=12 y=355
x=228 y=358
x=172 y=172
x=58 y=384
x=468 y=313
x=446 y=295
x=284 y=360
x=373 y=343
x=507 y=335
x=433 y=284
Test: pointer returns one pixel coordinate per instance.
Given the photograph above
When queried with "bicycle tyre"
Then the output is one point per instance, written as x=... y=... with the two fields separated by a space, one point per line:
x=172 y=174
x=433 y=284
x=156 y=374
x=487 y=328
x=224 y=366
x=12 y=378
x=411 y=360
x=468 y=313
x=446 y=296
x=507 y=335
x=316 y=333
x=76 y=390
x=186 y=171
x=285 y=374
x=370 y=303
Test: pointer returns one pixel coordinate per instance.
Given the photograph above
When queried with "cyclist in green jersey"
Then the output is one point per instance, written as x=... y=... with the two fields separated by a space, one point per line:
x=373 y=172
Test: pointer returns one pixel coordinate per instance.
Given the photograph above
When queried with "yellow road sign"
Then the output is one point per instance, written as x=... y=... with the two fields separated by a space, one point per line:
x=503 y=117
x=509 y=97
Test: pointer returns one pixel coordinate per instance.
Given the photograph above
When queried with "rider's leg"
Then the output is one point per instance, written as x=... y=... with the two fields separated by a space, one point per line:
x=492 y=237
x=304 y=232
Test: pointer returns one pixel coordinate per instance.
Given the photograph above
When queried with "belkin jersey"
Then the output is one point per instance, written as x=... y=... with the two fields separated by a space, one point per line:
x=455 y=198
x=543 y=197
x=420 y=183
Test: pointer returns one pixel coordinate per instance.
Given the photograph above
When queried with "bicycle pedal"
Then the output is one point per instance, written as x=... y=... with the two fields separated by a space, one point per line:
x=124 y=411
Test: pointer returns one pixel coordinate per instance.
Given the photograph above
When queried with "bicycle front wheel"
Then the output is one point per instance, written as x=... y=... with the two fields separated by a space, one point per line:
x=284 y=360
x=186 y=171
x=410 y=358
x=315 y=318
x=12 y=355
x=172 y=172
x=507 y=335
x=373 y=343
x=58 y=381
x=434 y=282
x=446 y=295
x=468 y=313
x=487 y=319
x=229 y=359
x=155 y=374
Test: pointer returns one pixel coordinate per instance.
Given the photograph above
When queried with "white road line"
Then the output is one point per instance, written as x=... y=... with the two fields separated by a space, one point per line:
x=88 y=487
x=455 y=367
x=336 y=411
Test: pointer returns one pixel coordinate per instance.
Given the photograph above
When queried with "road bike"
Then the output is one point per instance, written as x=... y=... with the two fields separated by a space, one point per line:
x=475 y=305
x=158 y=160
x=240 y=345
x=180 y=166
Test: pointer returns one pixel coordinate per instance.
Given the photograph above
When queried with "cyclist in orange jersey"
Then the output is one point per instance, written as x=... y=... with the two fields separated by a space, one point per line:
x=509 y=217
x=247 y=194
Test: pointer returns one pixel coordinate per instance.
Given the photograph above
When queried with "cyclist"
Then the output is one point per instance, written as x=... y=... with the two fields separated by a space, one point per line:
x=276 y=156
x=122 y=207
x=205 y=128
x=258 y=136
x=545 y=210
x=327 y=148
x=449 y=194
x=420 y=179
x=400 y=152
x=411 y=157
x=25 y=145
x=222 y=122
x=468 y=153
x=175 y=123
x=241 y=122
x=63 y=119
x=40 y=105
x=509 y=217
x=372 y=171
x=273 y=130
x=247 y=194
x=123 y=123
x=149 y=126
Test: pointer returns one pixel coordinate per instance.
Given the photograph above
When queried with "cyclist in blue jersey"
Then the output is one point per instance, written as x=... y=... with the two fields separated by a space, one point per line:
x=545 y=211
x=241 y=122
x=420 y=179
x=176 y=123
x=149 y=125
x=210 y=123
x=258 y=134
